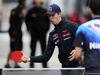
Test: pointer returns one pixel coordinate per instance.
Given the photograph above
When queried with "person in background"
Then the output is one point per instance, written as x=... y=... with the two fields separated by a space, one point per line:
x=15 y=33
x=38 y=26
x=74 y=17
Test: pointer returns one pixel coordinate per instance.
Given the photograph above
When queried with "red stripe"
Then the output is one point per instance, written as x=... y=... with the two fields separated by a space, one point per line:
x=61 y=43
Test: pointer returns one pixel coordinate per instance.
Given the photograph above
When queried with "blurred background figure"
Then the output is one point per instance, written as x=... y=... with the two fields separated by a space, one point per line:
x=83 y=20
x=80 y=5
x=15 y=32
x=74 y=17
x=82 y=11
x=38 y=26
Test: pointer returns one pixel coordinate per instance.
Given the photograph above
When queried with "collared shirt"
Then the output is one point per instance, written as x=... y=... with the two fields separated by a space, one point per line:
x=88 y=38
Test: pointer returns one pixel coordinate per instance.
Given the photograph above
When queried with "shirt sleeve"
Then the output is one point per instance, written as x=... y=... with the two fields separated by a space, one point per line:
x=73 y=28
x=47 y=54
x=79 y=38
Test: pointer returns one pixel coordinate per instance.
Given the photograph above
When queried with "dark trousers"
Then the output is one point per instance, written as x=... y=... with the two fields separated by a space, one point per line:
x=71 y=72
x=92 y=71
x=16 y=41
x=34 y=38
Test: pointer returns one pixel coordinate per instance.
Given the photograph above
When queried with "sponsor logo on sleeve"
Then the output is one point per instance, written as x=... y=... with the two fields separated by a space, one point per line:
x=13 y=13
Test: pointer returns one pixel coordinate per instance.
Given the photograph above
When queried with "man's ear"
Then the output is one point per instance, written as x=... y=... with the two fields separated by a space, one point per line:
x=60 y=13
x=90 y=11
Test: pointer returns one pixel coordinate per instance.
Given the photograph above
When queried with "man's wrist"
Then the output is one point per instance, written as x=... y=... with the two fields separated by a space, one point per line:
x=81 y=60
x=29 y=59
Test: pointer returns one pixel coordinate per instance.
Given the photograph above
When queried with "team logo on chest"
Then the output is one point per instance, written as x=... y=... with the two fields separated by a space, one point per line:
x=67 y=34
x=20 y=15
x=34 y=15
x=65 y=31
x=55 y=36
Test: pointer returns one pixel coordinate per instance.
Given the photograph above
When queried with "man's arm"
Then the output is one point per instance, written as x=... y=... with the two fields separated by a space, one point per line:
x=27 y=21
x=78 y=44
x=45 y=56
x=76 y=54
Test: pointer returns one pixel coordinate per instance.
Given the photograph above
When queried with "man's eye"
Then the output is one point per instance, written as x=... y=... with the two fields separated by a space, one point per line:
x=50 y=15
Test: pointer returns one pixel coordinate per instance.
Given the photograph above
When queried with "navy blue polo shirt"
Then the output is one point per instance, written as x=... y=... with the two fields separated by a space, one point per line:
x=88 y=38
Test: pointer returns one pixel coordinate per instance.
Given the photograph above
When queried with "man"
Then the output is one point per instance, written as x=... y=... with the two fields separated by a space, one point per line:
x=62 y=36
x=16 y=19
x=38 y=26
x=88 y=38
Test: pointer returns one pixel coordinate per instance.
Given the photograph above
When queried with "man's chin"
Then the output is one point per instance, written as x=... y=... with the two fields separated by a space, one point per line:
x=53 y=23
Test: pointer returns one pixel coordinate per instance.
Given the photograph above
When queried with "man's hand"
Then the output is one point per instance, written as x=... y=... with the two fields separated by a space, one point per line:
x=72 y=55
x=25 y=60
x=76 y=54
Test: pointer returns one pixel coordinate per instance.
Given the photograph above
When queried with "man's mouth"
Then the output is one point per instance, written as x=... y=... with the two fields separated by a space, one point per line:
x=51 y=21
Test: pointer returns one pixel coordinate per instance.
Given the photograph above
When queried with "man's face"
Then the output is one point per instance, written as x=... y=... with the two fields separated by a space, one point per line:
x=54 y=19
x=37 y=3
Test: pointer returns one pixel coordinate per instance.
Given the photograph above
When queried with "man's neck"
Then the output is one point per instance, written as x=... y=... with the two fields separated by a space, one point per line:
x=93 y=16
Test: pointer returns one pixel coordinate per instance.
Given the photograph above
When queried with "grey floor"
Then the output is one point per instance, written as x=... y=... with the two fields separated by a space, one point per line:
x=37 y=72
